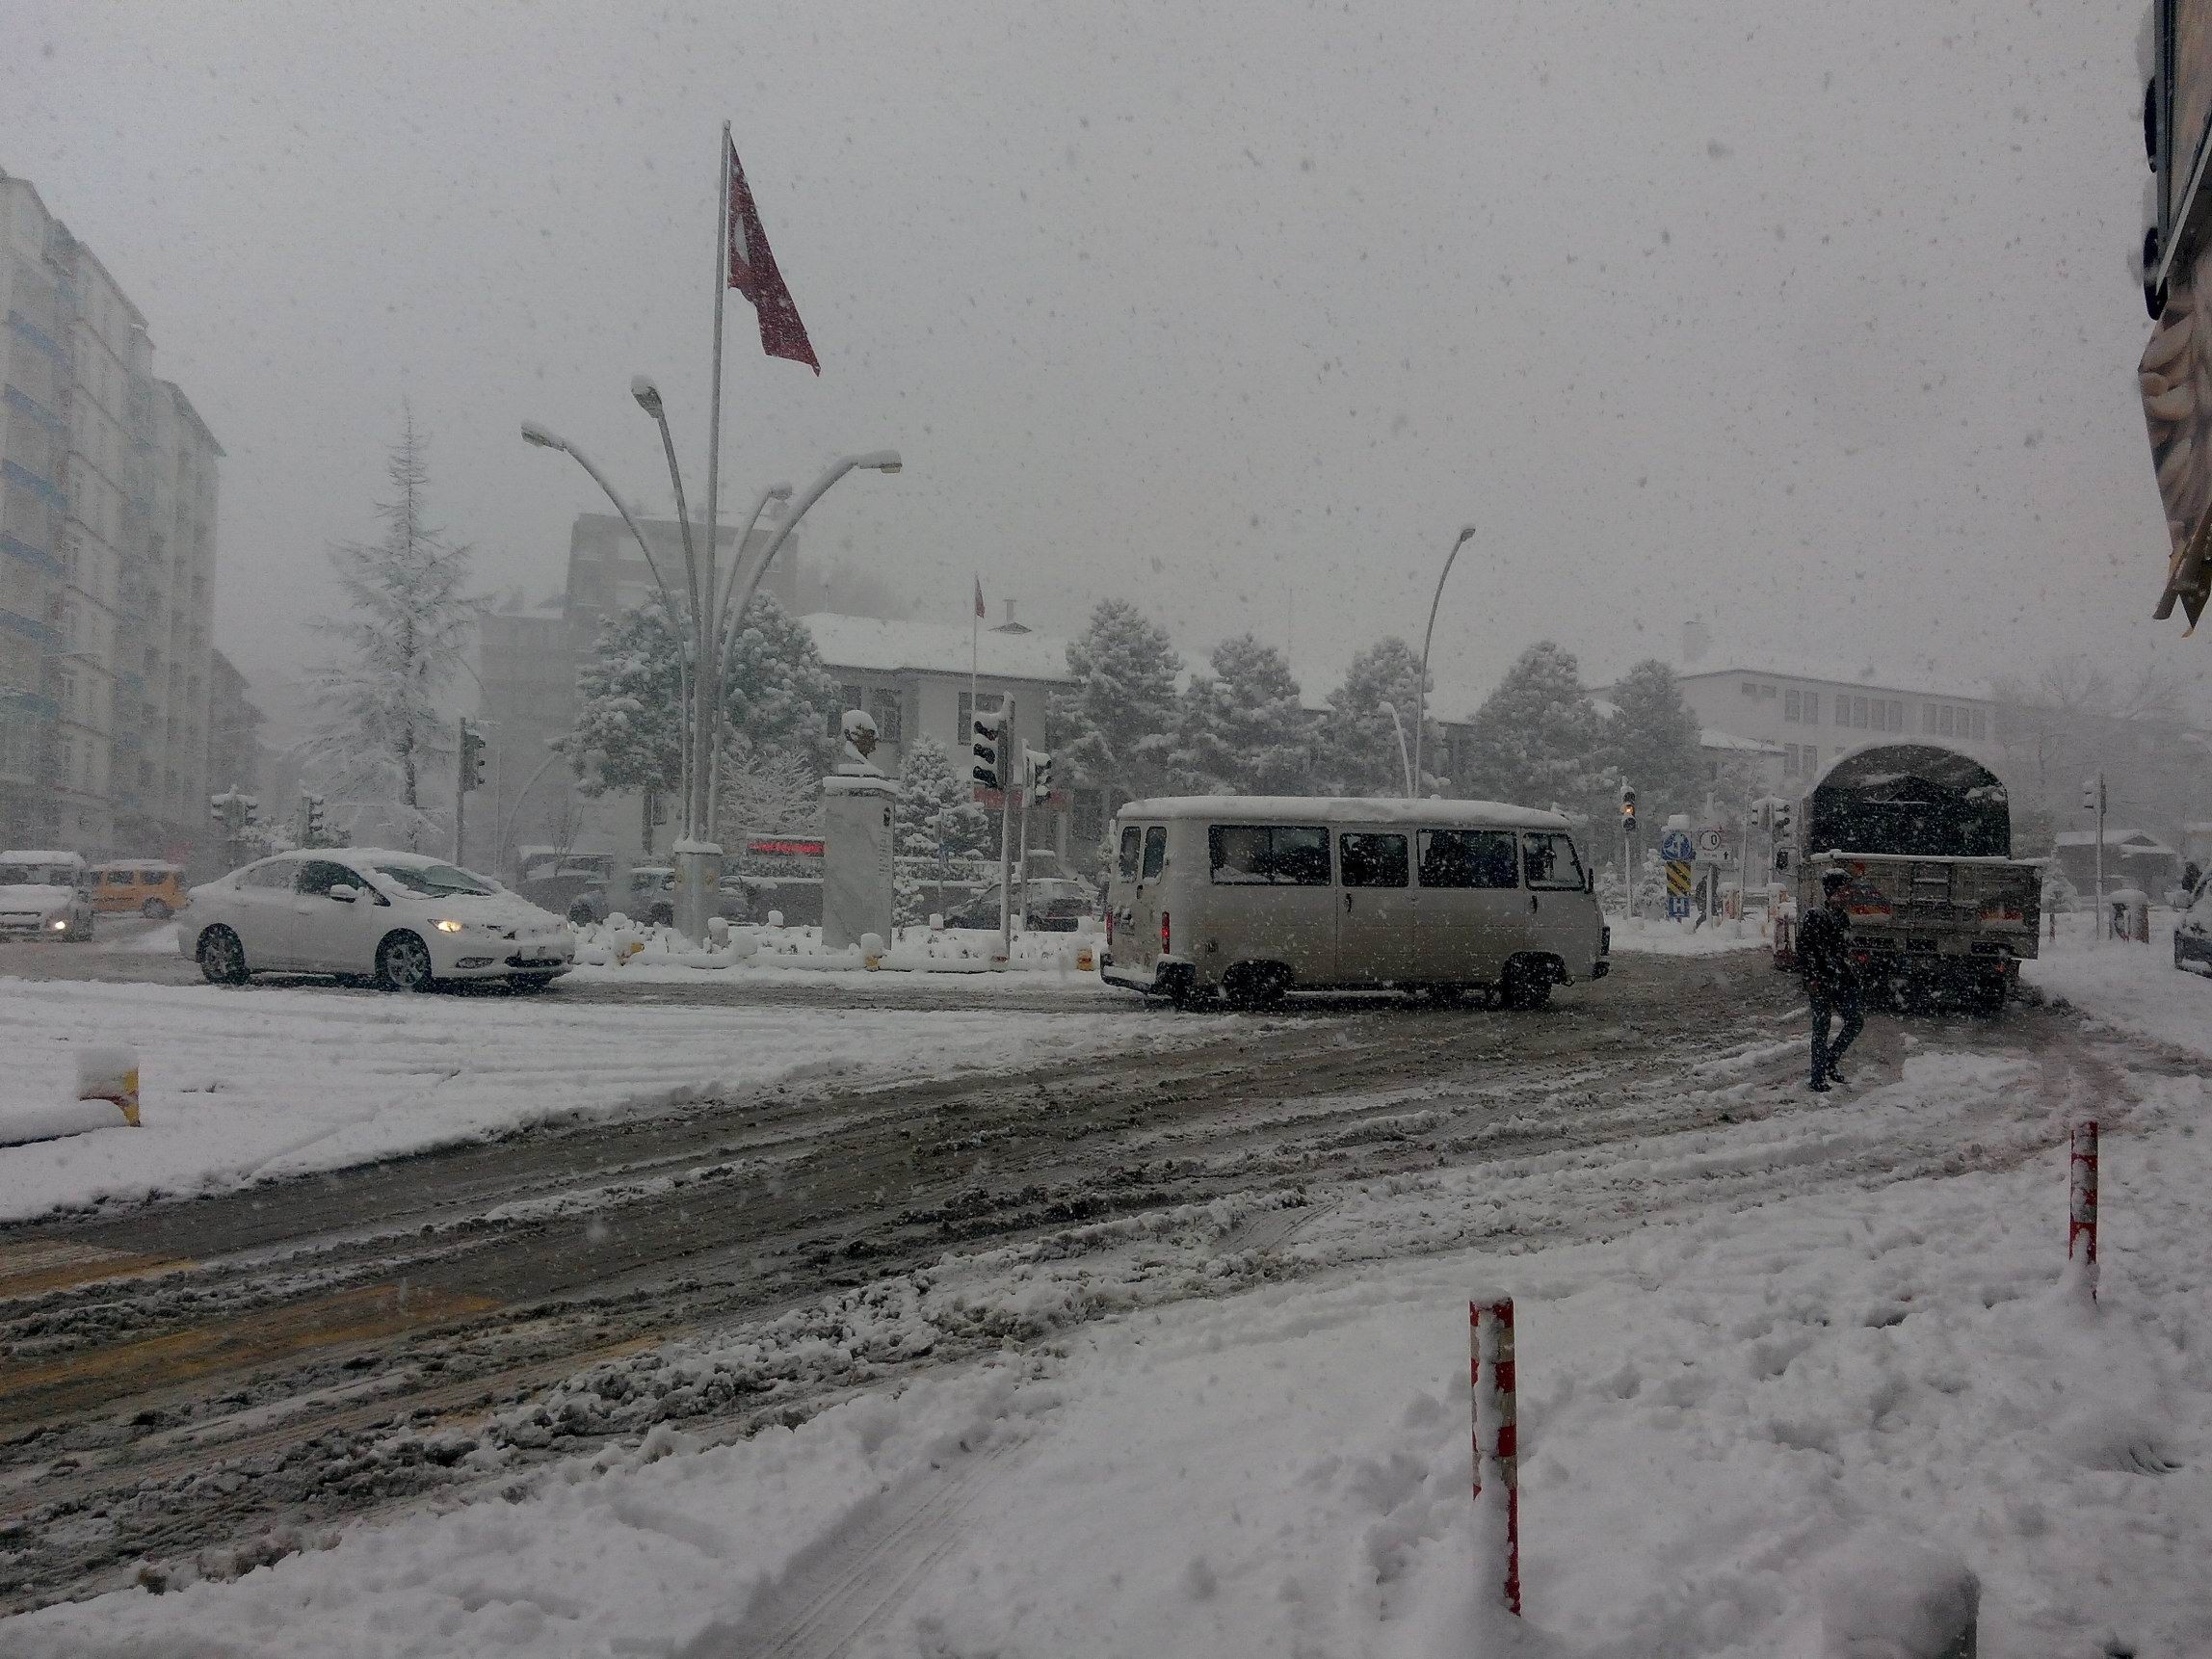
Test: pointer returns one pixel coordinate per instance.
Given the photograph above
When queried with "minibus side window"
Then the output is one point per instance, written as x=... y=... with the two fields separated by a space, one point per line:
x=1550 y=863
x=1374 y=860
x=1131 y=839
x=118 y=878
x=1268 y=854
x=1468 y=858
x=1155 y=851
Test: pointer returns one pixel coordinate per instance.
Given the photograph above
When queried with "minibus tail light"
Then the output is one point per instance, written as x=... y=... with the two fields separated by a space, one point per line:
x=1167 y=936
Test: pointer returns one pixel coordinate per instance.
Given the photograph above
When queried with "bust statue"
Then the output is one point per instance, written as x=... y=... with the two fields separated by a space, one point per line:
x=858 y=731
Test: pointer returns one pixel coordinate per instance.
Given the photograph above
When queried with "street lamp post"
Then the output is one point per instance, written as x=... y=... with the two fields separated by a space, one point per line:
x=713 y=611
x=1405 y=761
x=1421 y=692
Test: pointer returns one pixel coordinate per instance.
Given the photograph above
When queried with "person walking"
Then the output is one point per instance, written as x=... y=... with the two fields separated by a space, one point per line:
x=1831 y=979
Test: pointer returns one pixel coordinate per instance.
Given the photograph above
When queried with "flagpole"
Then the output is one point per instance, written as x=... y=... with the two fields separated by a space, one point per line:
x=710 y=649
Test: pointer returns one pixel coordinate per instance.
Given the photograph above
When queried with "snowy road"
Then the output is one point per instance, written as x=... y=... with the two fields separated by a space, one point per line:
x=194 y=1374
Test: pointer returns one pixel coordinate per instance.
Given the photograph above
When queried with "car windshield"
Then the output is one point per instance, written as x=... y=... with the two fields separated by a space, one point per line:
x=436 y=880
x=34 y=875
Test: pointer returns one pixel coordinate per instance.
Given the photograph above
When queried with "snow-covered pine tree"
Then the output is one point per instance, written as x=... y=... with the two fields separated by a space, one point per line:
x=1534 y=740
x=380 y=735
x=1652 y=742
x=1114 y=726
x=1358 y=740
x=779 y=701
x=1243 y=728
x=937 y=808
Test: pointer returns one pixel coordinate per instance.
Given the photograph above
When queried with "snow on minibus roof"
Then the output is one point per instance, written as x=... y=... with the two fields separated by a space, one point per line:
x=1307 y=809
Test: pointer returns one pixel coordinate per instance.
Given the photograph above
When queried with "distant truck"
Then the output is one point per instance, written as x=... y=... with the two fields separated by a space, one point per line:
x=1940 y=909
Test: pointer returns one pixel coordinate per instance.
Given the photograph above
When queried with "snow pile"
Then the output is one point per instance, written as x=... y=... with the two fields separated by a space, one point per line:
x=635 y=953
x=268 y=1081
x=1800 y=1430
x=1645 y=936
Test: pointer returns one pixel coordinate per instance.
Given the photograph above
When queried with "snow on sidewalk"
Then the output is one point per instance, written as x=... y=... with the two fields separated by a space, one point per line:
x=2130 y=987
x=1720 y=1419
x=237 y=1084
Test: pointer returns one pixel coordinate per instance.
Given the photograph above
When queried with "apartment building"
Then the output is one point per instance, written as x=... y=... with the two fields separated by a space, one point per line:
x=107 y=550
x=1812 y=718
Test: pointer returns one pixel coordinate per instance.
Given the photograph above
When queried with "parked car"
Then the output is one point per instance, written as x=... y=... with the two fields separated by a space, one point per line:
x=2193 y=933
x=46 y=896
x=149 y=887
x=1055 y=904
x=401 y=920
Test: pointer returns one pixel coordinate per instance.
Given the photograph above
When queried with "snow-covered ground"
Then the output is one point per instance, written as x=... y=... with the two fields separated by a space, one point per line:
x=787 y=956
x=1732 y=1415
x=2134 y=988
x=236 y=1085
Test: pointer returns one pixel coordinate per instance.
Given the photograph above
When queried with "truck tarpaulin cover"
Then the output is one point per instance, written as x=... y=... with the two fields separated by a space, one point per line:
x=1911 y=799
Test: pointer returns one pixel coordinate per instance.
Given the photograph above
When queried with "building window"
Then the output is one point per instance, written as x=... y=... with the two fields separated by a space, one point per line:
x=1751 y=688
x=1858 y=712
x=1766 y=691
x=1789 y=760
x=1896 y=717
x=1943 y=720
x=887 y=708
x=1981 y=724
x=1813 y=708
x=1790 y=707
x=1927 y=719
x=1812 y=758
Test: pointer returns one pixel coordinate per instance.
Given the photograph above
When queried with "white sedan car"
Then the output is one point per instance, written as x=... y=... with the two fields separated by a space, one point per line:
x=400 y=919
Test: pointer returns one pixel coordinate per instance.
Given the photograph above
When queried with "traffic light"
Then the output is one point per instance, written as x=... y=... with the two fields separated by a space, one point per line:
x=472 y=747
x=253 y=809
x=1039 y=773
x=312 y=818
x=986 y=744
x=1628 y=810
x=2092 y=794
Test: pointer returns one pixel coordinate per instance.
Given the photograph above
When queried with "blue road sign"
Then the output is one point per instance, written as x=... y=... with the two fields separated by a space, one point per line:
x=1674 y=847
x=1678 y=907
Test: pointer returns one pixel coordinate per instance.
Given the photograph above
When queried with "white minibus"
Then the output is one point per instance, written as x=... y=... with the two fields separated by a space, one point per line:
x=1252 y=896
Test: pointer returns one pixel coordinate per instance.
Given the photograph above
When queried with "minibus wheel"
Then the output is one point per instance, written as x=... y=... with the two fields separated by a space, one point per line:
x=1527 y=984
x=1255 y=984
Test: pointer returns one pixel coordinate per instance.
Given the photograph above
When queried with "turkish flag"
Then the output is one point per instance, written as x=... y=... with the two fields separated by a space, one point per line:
x=752 y=273
x=979 y=609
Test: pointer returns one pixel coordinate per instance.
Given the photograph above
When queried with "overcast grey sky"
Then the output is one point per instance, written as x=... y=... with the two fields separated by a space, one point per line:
x=1812 y=319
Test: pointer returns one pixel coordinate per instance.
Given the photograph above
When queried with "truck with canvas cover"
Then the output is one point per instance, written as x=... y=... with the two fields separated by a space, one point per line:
x=1940 y=910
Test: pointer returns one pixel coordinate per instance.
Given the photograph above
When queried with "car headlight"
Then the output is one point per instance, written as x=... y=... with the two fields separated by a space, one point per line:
x=60 y=924
x=446 y=927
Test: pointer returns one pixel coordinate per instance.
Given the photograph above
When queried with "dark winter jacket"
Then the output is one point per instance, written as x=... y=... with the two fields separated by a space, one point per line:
x=1824 y=951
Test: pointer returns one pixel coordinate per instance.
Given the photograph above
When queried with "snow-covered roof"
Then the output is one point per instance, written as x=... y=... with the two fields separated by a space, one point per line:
x=1821 y=675
x=1354 y=809
x=933 y=647
x=38 y=857
x=2139 y=839
x=1713 y=737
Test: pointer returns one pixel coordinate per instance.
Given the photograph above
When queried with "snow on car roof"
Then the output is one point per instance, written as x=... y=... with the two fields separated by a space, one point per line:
x=1305 y=810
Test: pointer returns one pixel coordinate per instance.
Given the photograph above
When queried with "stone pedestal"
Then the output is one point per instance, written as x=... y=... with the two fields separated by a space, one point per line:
x=856 y=857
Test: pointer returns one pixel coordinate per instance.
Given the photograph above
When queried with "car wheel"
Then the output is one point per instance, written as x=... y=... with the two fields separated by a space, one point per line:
x=221 y=956
x=403 y=962
x=155 y=909
x=1989 y=996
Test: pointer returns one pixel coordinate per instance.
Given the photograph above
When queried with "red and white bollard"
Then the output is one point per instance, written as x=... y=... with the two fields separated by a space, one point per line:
x=2081 y=1204
x=1497 y=1441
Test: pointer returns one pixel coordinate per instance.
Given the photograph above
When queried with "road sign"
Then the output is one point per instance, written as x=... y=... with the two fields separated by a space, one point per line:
x=1676 y=847
x=1678 y=876
x=1678 y=907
